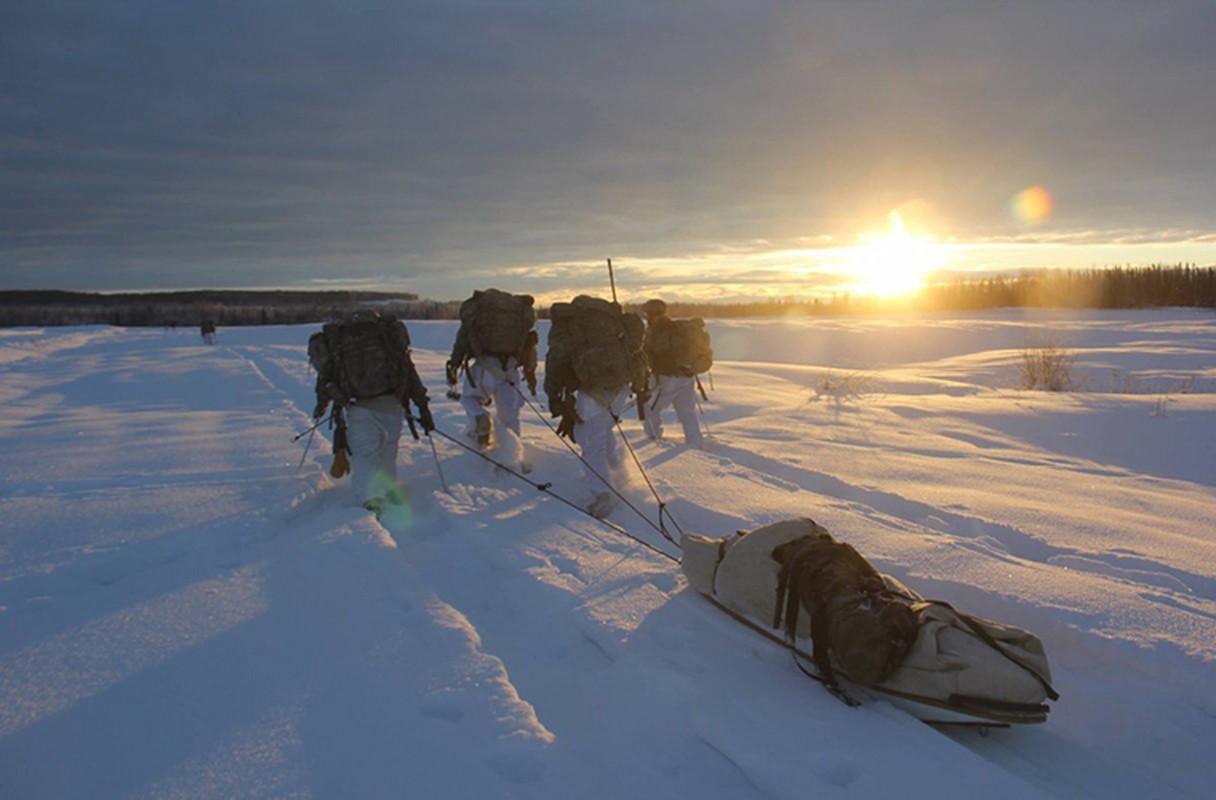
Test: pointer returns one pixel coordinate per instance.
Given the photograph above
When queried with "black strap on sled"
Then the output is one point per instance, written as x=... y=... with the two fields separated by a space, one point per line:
x=987 y=639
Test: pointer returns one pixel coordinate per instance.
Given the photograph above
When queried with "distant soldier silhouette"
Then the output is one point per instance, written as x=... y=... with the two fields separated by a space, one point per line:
x=207 y=331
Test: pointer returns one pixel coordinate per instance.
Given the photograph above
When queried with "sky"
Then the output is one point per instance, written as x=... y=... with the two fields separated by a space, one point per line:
x=712 y=149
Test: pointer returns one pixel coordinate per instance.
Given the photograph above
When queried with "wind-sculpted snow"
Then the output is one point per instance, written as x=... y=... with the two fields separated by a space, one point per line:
x=191 y=607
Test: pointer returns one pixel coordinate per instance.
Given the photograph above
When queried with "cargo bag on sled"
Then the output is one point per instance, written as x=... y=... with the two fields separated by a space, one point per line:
x=792 y=578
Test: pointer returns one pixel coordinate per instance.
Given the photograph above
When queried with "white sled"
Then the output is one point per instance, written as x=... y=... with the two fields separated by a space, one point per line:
x=960 y=669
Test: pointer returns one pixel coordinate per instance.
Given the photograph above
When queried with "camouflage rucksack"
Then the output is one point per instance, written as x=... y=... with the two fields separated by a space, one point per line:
x=498 y=323
x=855 y=622
x=365 y=354
x=679 y=347
x=593 y=345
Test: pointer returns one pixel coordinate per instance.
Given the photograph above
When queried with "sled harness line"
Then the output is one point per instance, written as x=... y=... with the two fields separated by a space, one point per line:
x=659 y=500
x=547 y=489
x=659 y=528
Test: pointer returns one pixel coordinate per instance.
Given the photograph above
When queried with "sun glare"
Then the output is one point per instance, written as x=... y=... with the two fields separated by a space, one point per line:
x=893 y=262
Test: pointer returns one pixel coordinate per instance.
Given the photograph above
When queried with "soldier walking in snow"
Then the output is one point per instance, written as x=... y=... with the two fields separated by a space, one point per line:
x=594 y=361
x=364 y=368
x=496 y=348
x=676 y=351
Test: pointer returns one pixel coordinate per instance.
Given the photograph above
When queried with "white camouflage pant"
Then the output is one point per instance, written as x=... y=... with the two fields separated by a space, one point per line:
x=488 y=384
x=595 y=434
x=678 y=391
x=373 y=431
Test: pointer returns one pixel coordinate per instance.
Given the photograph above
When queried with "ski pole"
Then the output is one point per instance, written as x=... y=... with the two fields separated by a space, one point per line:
x=438 y=466
x=612 y=280
x=311 y=430
x=311 y=433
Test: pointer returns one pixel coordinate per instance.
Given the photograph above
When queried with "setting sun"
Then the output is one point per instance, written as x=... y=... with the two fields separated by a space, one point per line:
x=892 y=262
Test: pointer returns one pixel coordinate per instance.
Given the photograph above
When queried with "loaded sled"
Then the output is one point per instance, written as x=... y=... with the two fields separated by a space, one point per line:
x=794 y=583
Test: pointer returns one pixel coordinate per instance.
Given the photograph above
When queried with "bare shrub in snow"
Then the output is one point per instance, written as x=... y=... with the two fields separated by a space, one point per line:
x=1046 y=365
x=847 y=386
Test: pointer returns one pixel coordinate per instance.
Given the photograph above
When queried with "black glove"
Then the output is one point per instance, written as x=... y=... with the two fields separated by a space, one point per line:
x=332 y=391
x=556 y=404
x=452 y=369
x=566 y=426
x=424 y=417
x=319 y=410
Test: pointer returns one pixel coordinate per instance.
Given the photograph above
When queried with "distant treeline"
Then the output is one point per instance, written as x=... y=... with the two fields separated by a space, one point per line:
x=224 y=307
x=1153 y=286
x=1108 y=287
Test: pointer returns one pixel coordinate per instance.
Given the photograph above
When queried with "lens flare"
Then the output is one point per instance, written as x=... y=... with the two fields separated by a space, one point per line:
x=1032 y=205
x=396 y=515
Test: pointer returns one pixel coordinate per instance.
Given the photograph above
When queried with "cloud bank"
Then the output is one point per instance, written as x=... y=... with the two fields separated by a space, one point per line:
x=443 y=145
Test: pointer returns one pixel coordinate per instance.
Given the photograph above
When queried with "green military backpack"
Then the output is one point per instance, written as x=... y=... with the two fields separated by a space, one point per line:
x=364 y=354
x=593 y=345
x=498 y=323
x=856 y=623
x=679 y=347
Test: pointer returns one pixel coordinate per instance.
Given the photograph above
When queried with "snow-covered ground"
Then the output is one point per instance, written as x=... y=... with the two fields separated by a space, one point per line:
x=185 y=613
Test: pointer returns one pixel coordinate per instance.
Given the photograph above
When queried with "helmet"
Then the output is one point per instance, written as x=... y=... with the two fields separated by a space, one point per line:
x=360 y=316
x=654 y=308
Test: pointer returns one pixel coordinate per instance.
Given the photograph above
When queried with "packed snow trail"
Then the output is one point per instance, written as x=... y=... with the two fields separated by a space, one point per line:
x=186 y=615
